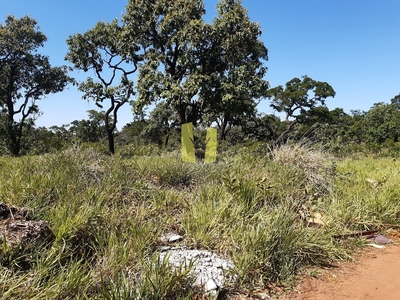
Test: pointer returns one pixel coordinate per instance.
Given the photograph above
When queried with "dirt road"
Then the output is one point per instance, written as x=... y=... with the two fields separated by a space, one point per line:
x=375 y=275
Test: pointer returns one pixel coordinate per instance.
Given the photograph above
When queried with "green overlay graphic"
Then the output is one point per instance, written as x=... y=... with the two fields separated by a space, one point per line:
x=188 y=154
x=188 y=143
x=211 y=148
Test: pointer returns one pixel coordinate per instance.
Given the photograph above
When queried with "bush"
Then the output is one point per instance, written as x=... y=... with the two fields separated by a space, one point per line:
x=313 y=162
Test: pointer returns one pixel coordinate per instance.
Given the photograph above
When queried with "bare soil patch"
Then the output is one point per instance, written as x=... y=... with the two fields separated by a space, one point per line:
x=374 y=275
x=17 y=231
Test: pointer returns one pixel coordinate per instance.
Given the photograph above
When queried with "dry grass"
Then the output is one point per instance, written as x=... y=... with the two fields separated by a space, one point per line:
x=315 y=163
x=107 y=214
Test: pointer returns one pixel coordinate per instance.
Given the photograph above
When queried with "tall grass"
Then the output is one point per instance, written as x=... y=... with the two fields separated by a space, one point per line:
x=107 y=214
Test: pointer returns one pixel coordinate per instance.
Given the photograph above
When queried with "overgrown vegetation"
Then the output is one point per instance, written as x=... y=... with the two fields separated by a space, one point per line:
x=107 y=214
x=253 y=206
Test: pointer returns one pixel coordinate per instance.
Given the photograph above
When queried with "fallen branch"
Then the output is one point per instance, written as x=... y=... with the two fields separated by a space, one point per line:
x=355 y=234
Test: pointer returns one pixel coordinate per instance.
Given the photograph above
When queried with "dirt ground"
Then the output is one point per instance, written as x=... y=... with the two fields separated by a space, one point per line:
x=374 y=275
x=18 y=232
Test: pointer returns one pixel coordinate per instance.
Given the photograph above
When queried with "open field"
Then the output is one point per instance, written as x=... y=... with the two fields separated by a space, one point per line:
x=106 y=216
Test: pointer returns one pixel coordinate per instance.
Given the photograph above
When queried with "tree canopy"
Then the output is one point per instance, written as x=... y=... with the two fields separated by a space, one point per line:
x=194 y=66
x=298 y=96
x=235 y=78
x=100 y=49
x=25 y=76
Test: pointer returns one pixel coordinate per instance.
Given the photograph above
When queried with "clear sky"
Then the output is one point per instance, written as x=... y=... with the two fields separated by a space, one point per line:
x=354 y=45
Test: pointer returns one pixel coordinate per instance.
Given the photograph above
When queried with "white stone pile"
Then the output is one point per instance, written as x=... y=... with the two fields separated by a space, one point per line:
x=209 y=271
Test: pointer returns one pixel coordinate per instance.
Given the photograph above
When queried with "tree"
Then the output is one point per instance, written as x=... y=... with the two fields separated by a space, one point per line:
x=357 y=130
x=296 y=98
x=169 y=33
x=91 y=130
x=25 y=76
x=396 y=101
x=235 y=78
x=324 y=125
x=62 y=133
x=42 y=140
x=97 y=120
x=131 y=132
x=100 y=49
x=382 y=122
x=262 y=127
x=196 y=67
x=160 y=124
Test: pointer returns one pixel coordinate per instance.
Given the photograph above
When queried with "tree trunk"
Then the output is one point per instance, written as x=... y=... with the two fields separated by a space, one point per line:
x=14 y=137
x=182 y=114
x=110 y=129
x=224 y=124
x=15 y=147
x=110 y=137
x=166 y=140
x=289 y=126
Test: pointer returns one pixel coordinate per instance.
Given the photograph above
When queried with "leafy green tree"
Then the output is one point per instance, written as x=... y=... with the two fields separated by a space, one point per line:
x=161 y=123
x=83 y=131
x=262 y=127
x=324 y=126
x=382 y=122
x=25 y=76
x=357 y=130
x=100 y=49
x=132 y=131
x=195 y=67
x=42 y=140
x=91 y=130
x=298 y=96
x=234 y=81
x=63 y=134
x=169 y=33
x=97 y=119
x=396 y=101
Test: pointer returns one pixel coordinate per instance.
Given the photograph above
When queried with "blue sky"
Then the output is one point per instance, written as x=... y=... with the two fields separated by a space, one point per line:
x=354 y=45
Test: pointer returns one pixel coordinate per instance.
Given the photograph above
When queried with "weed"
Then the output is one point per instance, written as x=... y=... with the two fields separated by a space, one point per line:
x=107 y=214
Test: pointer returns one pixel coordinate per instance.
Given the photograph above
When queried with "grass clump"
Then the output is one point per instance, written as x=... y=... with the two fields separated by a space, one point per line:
x=313 y=162
x=108 y=213
x=276 y=247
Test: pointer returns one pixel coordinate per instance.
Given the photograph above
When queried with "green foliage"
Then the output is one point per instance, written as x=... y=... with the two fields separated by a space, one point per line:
x=168 y=171
x=161 y=281
x=132 y=150
x=259 y=127
x=98 y=147
x=131 y=132
x=162 y=121
x=169 y=33
x=25 y=77
x=202 y=71
x=295 y=98
x=382 y=123
x=236 y=80
x=88 y=131
x=107 y=212
x=41 y=140
x=276 y=247
x=100 y=49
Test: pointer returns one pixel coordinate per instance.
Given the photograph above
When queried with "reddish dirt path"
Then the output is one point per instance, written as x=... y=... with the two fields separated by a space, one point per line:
x=375 y=275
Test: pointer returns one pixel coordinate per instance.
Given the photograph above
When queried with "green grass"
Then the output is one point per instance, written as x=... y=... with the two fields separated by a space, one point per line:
x=107 y=213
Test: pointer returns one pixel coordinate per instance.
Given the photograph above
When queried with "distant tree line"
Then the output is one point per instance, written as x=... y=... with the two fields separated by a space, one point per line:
x=163 y=54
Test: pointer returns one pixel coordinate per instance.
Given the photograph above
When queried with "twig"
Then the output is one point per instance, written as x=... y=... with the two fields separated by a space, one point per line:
x=354 y=234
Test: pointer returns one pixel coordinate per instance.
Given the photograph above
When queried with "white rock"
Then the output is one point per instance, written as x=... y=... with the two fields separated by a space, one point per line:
x=171 y=238
x=174 y=238
x=211 y=285
x=207 y=268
